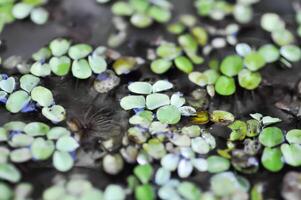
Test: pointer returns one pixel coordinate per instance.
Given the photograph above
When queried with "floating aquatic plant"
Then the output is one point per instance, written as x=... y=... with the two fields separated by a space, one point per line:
x=169 y=110
x=79 y=187
x=245 y=66
x=143 y=13
x=29 y=97
x=34 y=141
x=217 y=10
x=62 y=57
x=11 y=10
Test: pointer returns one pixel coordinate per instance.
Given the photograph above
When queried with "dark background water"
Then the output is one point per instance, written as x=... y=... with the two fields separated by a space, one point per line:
x=86 y=21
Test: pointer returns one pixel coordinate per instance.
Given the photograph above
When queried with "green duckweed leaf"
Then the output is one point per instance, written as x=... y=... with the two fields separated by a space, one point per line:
x=112 y=163
x=267 y=120
x=191 y=131
x=59 y=46
x=184 y=64
x=39 y=15
x=170 y=161
x=81 y=69
x=6 y=192
x=156 y=100
x=21 y=140
x=42 y=149
x=283 y=37
x=154 y=148
x=272 y=159
x=54 y=192
x=169 y=114
x=200 y=34
x=144 y=192
x=20 y=155
x=291 y=154
x=168 y=51
x=140 y=87
x=122 y=8
x=139 y=5
x=162 y=85
x=62 y=161
x=217 y=164
x=271 y=22
x=17 y=100
x=177 y=100
x=21 y=10
x=79 y=51
x=3 y=134
x=176 y=28
x=14 y=126
x=55 y=113
x=42 y=95
x=271 y=136
x=162 y=176
x=189 y=191
x=9 y=173
x=243 y=49
x=67 y=143
x=225 y=86
x=57 y=132
x=294 y=136
x=231 y=65
x=291 y=53
x=8 y=85
x=199 y=145
x=269 y=52
x=36 y=129
x=144 y=173
x=97 y=63
x=243 y=13
x=198 y=78
x=254 y=61
x=40 y=70
x=211 y=76
x=185 y=168
x=132 y=101
x=141 y=20
x=97 y=194
x=28 y=82
x=159 y=14
x=225 y=184
x=60 y=66
x=114 y=192
x=160 y=66
x=188 y=42
x=249 y=80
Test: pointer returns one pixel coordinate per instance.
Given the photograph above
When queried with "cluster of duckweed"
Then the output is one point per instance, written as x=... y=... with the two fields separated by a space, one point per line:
x=168 y=139
x=12 y=10
x=143 y=13
x=35 y=141
x=222 y=185
x=192 y=39
x=30 y=96
x=242 y=10
x=260 y=136
x=245 y=65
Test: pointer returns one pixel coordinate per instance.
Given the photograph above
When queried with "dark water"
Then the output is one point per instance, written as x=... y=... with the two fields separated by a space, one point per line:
x=86 y=21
